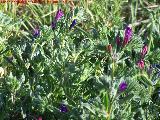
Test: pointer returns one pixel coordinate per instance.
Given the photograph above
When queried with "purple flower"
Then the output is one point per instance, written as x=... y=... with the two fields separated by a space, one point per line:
x=127 y=36
x=73 y=24
x=63 y=108
x=59 y=14
x=36 y=32
x=123 y=86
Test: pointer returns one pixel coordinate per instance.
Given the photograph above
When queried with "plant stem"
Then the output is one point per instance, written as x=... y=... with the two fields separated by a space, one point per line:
x=110 y=108
x=112 y=75
x=109 y=114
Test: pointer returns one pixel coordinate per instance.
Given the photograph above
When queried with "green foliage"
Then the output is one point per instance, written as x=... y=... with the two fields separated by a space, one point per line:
x=75 y=67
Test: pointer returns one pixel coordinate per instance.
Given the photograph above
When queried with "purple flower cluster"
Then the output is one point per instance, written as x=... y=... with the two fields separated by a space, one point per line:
x=143 y=52
x=123 y=86
x=58 y=16
x=63 y=108
x=127 y=35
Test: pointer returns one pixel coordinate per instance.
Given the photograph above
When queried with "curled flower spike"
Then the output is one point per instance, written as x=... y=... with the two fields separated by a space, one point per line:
x=140 y=64
x=123 y=86
x=36 y=32
x=63 y=108
x=127 y=36
x=144 y=50
x=59 y=15
x=73 y=24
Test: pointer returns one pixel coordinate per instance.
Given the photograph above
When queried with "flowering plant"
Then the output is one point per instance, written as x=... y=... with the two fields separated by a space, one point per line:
x=72 y=64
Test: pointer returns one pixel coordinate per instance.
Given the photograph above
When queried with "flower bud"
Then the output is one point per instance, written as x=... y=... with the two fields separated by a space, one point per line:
x=144 y=50
x=140 y=64
x=109 y=48
x=73 y=24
